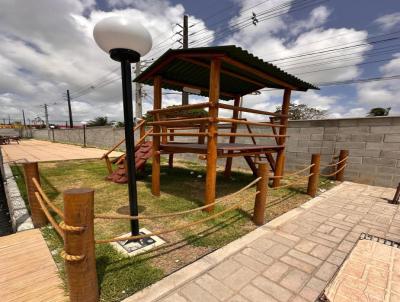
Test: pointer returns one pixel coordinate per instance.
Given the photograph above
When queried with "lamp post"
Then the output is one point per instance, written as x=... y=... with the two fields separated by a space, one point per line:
x=125 y=40
x=84 y=133
x=52 y=131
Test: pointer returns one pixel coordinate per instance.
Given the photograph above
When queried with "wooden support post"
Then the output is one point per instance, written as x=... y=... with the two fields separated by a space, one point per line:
x=342 y=155
x=31 y=170
x=212 y=139
x=235 y=115
x=261 y=197
x=171 y=156
x=280 y=159
x=396 y=196
x=155 y=175
x=108 y=163
x=80 y=259
x=313 y=180
x=142 y=129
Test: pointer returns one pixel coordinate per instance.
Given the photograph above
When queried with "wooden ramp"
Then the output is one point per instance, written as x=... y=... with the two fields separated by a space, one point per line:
x=27 y=269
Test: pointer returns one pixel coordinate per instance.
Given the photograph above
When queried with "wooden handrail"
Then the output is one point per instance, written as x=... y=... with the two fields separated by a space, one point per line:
x=188 y=120
x=140 y=140
x=121 y=141
x=180 y=108
x=180 y=134
x=229 y=120
x=249 y=135
x=250 y=110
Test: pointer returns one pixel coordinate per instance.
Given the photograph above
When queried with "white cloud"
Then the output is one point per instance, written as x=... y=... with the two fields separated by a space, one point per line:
x=318 y=16
x=389 y=21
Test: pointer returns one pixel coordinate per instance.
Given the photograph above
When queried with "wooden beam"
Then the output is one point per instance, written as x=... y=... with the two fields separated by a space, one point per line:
x=155 y=175
x=258 y=73
x=205 y=89
x=212 y=140
x=250 y=110
x=229 y=73
x=235 y=115
x=280 y=157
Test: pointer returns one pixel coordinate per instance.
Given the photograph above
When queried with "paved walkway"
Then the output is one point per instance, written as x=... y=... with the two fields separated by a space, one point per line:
x=35 y=150
x=27 y=269
x=290 y=259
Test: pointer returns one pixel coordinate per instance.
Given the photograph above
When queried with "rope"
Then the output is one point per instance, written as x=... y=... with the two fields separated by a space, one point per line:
x=294 y=182
x=335 y=164
x=70 y=228
x=71 y=258
x=46 y=199
x=295 y=173
x=105 y=216
x=48 y=215
x=187 y=225
x=334 y=173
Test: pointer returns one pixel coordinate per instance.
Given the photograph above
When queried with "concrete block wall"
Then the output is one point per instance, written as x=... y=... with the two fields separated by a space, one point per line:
x=374 y=145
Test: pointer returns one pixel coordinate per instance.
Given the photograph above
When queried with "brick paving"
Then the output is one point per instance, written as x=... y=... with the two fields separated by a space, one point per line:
x=35 y=150
x=295 y=260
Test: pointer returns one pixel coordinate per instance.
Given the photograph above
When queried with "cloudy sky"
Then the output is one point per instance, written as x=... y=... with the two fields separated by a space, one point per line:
x=46 y=47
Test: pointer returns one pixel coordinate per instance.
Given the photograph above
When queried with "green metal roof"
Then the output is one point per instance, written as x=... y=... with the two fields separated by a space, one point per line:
x=172 y=66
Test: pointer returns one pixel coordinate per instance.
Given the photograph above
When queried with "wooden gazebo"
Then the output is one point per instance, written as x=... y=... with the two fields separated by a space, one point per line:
x=222 y=73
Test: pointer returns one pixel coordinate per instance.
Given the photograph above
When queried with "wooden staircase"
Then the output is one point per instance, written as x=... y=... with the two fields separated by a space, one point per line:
x=142 y=154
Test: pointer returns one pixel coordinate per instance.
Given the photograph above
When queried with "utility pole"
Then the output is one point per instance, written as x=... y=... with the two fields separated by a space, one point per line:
x=185 y=45
x=46 y=116
x=23 y=116
x=71 y=123
x=138 y=92
x=9 y=120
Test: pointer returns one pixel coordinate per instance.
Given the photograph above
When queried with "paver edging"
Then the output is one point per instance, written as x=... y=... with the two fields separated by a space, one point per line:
x=19 y=214
x=163 y=287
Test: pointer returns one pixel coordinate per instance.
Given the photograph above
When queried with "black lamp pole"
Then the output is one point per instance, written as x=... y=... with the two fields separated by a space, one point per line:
x=126 y=57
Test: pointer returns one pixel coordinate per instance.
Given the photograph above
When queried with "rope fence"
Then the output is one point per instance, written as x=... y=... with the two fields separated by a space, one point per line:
x=77 y=219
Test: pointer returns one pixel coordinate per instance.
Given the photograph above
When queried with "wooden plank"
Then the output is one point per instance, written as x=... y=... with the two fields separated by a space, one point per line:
x=27 y=269
x=155 y=175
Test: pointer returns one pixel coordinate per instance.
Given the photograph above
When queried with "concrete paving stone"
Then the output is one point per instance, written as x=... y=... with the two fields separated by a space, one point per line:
x=258 y=256
x=339 y=233
x=321 y=252
x=322 y=241
x=305 y=246
x=239 y=278
x=326 y=271
x=346 y=246
x=276 y=271
x=277 y=251
x=195 y=293
x=271 y=288
x=224 y=269
x=309 y=294
x=284 y=240
x=308 y=268
x=250 y=262
x=214 y=287
x=262 y=244
x=298 y=299
x=175 y=298
x=339 y=216
x=316 y=284
x=237 y=298
x=338 y=225
x=305 y=257
x=327 y=237
x=253 y=294
x=295 y=280
x=325 y=228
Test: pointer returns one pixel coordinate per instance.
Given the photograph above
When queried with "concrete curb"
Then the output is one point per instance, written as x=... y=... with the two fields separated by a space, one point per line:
x=163 y=287
x=20 y=218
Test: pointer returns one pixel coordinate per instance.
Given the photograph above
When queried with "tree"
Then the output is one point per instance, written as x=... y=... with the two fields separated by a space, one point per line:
x=98 y=121
x=379 y=111
x=190 y=113
x=303 y=112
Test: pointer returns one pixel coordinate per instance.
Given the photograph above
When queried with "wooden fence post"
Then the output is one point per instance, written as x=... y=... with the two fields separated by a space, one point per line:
x=342 y=155
x=80 y=261
x=261 y=197
x=313 y=180
x=31 y=170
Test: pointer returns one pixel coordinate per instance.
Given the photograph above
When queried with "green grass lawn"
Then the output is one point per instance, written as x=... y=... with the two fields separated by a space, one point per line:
x=182 y=188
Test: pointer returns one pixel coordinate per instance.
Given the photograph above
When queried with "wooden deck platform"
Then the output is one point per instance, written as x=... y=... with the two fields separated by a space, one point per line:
x=27 y=269
x=222 y=149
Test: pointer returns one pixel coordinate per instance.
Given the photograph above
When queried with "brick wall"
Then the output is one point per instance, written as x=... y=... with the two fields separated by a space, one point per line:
x=374 y=145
